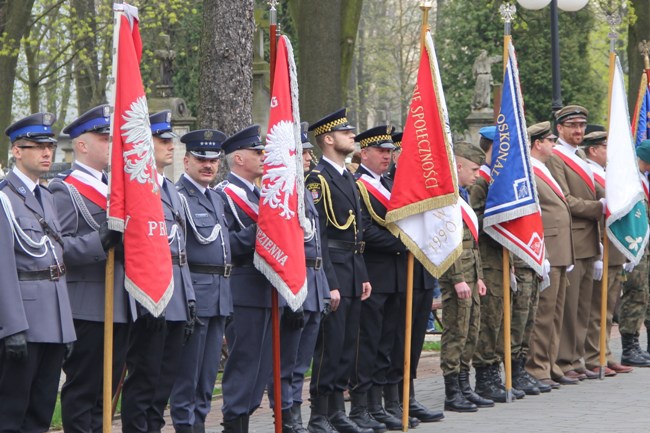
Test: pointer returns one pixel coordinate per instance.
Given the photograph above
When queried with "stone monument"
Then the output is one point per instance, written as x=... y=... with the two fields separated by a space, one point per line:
x=482 y=112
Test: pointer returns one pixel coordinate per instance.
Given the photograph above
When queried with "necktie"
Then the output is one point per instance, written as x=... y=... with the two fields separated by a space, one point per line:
x=256 y=191
x=104 y=179
x=37 y=194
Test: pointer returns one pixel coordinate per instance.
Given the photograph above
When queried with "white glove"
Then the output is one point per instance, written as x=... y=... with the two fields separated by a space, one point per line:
x=598 y=270
x=513 y=281
x=600 y=245
x=546 y=276
x=603 y=201
x=569 y=268
x=628 y=267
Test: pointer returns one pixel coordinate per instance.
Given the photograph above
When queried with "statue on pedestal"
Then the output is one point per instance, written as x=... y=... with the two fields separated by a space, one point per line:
x=482 y=72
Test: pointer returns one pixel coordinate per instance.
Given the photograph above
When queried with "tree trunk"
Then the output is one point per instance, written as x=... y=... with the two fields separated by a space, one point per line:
x=226 y=69
x=636 y=33
x=13 y=16
x=86 y=67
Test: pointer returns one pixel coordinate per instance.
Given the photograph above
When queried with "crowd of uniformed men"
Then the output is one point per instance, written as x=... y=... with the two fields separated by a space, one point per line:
x=54 y=242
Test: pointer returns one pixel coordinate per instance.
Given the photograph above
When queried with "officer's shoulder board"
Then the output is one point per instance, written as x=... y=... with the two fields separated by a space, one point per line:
x=221 y=185
x=64 y=174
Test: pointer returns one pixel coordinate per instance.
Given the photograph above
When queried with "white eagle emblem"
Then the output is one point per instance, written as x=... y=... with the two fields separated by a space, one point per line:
x=139 y=160
x=279 y=181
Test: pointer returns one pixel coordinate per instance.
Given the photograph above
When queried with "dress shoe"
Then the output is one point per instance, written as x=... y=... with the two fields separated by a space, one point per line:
x=550 y=382
x=572 y=374
x=588 y=373
x=619 y=368
x=566 y=380
x=608 y=371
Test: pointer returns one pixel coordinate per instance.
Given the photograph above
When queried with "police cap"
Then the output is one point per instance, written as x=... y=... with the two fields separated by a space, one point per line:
x=336 y=121
x=161 y=124
x=36 y=127
x=379 y=136
x=97 y=120
x=204 y=143
x=247 y=138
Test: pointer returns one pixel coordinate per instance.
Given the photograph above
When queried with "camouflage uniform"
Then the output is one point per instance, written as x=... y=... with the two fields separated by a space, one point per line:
x=461 y=316
x=524 y=308
x=490 y=339
x=634 y=301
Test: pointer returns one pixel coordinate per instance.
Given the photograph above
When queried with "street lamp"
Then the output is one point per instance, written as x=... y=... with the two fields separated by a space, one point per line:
x=565 y=5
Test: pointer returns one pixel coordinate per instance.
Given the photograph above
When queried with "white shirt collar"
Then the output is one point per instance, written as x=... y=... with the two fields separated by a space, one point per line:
x=30 y=184
x=333 y=164
x=161 y=179
x=199 y=187
x=250 y=185
x=572 y=149
x=372 y=173
x=96 y=173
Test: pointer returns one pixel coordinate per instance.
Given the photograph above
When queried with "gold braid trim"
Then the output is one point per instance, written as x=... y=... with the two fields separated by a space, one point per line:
x=329 y=209
x=366 y=199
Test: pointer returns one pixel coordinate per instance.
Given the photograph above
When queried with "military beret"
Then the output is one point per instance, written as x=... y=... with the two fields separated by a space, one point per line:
x=247 y=138
x=594 y=138
x=571 y=112
x=469 y=151
x=161 y=124
x=540 y=131
x=36 y=127
x=643 y=151
x=336 y=121
x=204 y=143
x=488 y=132
x=397 y=140
x=379 y=136
x=97 y=120
x=306 y=144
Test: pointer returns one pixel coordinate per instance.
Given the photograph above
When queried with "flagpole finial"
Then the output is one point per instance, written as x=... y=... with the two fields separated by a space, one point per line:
x=426 y=4
x=644 y=48
x=272 y=4
x=507 y=11
x=614 y=20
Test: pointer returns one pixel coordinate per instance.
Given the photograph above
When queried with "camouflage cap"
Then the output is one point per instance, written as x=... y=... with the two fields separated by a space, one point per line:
x=594 y=138
x=571 y=112
x=643 y=151
x=469 y=152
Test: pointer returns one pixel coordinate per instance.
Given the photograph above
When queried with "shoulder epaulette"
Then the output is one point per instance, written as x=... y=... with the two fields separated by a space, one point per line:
x=221 y=185
x=64 y=174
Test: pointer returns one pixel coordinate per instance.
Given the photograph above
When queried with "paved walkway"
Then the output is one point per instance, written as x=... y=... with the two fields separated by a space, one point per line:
x=619 y=404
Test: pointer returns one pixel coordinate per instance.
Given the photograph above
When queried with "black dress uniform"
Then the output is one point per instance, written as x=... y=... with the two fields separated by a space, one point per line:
x=339 y=209
x=155 y=344
x=248 y=335
x=385 y=258
x=35 y=317
x=208 y=257
x=86 y=239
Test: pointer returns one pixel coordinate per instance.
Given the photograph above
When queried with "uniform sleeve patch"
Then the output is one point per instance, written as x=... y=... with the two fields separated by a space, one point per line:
x=316 y=191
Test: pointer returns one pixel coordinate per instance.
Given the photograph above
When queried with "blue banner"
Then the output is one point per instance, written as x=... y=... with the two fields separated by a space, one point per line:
x=643 y=124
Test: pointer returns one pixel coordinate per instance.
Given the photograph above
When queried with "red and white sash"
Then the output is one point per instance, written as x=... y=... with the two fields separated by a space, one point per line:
x=376 y=189
x=469 y=217
x=577 y=164
x=599 y=173
x=542 y=172
x=239 y=196
x=88 y=186
x=486 y=173
x=646 y=189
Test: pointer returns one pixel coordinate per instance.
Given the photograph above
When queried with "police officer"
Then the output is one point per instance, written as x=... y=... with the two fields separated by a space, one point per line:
x=36 y=326
x=385 y=258
x=339 y=209
x=208 y=257
x=299 y=329
x=155 y=343
x=80 y=200
x=249 y=365
x=461 y=286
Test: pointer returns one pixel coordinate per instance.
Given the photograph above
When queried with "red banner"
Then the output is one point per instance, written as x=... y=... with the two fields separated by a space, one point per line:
x=279 y=248
x=134 y=205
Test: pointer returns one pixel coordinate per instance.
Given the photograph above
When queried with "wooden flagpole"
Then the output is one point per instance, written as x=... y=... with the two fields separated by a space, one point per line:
x=507 y=12
x=275 y=308
x=613 y=21
x=107 y=395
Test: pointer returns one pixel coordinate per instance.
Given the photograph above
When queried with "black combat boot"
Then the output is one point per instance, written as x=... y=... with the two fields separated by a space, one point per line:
x=498 y=381
x=455 y=401
x=520 y=380
x=198 y=427
x=378 y=412
x=287 y=421
x=339 y=419
x=296 y=419
x=466 y=389
x=183 y=428
x=419 y=410
x=318 y=420
x=360 y=413
x=631 y=355
x=642 y=352
x=486 y=386
x=394 y=406
x=237 y=425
